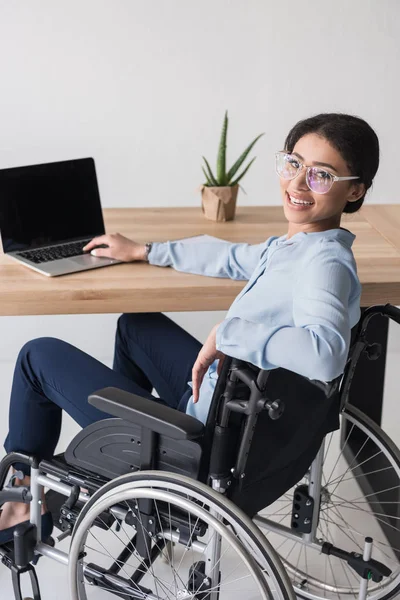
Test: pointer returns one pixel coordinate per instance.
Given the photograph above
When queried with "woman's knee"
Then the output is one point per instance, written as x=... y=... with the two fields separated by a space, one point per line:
x=40 y=348
x=134 y=325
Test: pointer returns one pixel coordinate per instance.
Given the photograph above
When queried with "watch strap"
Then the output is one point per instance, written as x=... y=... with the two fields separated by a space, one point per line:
x=148 y=247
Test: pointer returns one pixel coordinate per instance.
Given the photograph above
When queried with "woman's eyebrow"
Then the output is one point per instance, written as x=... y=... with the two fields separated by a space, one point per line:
x=320 y=164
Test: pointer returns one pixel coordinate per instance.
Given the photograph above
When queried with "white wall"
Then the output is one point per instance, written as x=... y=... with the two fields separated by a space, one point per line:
x=142 y=85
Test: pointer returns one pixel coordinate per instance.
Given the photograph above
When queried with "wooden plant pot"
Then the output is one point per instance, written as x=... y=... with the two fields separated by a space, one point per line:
x=219 y=203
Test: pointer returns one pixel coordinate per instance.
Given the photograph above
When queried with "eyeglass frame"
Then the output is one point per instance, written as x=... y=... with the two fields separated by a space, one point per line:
x=334 y=178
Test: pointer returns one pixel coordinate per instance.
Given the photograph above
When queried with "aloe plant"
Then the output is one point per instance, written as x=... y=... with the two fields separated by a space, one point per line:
x=224 y=178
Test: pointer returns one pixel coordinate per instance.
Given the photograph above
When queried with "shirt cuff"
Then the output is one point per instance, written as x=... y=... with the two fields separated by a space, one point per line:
x=158 y=254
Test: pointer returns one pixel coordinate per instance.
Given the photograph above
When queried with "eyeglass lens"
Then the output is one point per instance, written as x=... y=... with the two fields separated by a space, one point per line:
x=318 y=180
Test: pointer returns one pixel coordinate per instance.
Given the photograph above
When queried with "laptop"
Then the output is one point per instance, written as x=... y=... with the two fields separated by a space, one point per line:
x=48 y=212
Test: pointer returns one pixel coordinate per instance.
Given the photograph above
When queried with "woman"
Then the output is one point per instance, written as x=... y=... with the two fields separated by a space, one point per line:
x=296 y=311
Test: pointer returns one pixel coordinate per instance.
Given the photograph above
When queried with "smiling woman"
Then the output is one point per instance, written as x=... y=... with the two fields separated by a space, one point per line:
x=327 y=167
x=296 y=311
x=304 y=181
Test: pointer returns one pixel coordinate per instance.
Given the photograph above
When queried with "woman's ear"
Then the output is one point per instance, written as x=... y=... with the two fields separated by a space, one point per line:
x=356 y=191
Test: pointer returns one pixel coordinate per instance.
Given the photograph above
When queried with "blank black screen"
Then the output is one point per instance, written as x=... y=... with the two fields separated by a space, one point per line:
x=49 y=203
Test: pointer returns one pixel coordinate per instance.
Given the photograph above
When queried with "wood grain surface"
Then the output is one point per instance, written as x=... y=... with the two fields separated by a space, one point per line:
x=139 y=287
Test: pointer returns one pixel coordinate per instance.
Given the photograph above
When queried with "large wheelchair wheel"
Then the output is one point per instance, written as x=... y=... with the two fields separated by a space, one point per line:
x=360 y=497
x=159 y=536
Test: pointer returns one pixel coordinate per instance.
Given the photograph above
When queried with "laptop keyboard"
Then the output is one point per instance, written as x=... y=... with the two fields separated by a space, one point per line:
x=41 y=255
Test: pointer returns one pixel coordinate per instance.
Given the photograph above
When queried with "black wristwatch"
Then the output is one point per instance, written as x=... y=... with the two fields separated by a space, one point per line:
x=148 y=247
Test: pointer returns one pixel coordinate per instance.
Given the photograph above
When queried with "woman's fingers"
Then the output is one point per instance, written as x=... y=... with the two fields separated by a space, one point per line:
x=106 y=252
x=198 y=372
x=102 y=239
x=197 y=378
x=205 y=358
x=116 y=246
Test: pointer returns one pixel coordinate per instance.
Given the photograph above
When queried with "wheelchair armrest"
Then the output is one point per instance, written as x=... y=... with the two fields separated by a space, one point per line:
x=146 y=413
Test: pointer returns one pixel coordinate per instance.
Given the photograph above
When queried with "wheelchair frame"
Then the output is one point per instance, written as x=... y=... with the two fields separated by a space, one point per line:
x=361 y=345
x=23 y=558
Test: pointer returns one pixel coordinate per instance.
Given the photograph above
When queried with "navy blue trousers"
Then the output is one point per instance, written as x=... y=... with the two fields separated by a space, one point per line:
x=151 y=351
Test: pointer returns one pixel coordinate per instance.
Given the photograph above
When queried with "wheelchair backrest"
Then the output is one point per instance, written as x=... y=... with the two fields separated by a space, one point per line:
x=281 y=450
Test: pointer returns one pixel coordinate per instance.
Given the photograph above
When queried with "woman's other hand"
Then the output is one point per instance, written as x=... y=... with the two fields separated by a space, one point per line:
x=119 y=248
x=205 y=358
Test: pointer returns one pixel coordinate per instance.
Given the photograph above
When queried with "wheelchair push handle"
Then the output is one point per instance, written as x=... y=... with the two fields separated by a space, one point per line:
x=392 y=312
x=386 y=310
x=373 y=351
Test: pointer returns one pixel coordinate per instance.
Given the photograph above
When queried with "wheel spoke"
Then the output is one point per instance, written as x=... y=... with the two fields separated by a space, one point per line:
x=347 y=530
x=112 y=558
x=340 y=455
x=353 y=461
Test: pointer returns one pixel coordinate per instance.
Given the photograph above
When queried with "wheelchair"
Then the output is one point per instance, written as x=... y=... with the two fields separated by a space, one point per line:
x=287 y=491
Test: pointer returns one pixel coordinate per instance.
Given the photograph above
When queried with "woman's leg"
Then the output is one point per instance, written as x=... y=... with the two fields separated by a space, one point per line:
x=157 y=353
x=50 y=376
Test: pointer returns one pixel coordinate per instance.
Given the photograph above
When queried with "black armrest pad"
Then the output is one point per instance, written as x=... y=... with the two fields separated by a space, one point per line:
x=146 y=413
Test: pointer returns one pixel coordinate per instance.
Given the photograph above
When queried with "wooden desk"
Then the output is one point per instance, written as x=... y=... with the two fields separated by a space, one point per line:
x=140 y=287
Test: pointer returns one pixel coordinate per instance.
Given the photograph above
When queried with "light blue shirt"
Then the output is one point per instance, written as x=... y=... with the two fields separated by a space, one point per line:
x=296 y=311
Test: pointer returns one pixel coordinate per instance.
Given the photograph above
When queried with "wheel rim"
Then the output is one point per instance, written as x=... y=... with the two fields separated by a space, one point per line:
x=176 y=584
x=349 y=512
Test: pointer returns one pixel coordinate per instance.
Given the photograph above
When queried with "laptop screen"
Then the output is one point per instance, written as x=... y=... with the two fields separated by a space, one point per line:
x=41 y=205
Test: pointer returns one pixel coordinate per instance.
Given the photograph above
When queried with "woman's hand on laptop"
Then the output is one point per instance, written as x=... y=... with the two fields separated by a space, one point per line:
x=118 y=247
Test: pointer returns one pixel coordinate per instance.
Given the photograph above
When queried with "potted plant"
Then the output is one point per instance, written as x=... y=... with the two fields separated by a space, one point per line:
x=219 y=193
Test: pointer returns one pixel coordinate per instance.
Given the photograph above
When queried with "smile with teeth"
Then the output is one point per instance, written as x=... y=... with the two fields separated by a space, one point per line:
x=301 y=202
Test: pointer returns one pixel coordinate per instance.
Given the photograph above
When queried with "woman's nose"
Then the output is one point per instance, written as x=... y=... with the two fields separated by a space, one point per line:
x=300 y=181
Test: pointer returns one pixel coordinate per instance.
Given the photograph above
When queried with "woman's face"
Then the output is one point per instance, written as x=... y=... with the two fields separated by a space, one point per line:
x=326 y=209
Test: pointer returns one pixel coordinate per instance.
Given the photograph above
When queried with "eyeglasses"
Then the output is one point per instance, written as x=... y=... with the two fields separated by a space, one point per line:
x=318 y=180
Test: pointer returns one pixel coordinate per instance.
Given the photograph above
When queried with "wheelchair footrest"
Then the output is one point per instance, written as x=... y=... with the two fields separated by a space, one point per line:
x=7 y=558
x=16 y=579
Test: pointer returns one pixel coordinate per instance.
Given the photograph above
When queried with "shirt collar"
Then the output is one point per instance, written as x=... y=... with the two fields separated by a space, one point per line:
x=343 y=235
